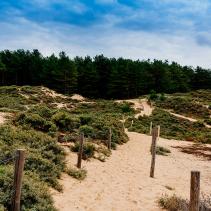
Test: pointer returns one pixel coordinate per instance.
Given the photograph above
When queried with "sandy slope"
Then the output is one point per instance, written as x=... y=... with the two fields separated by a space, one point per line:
x=122 y=183
x=140 y=105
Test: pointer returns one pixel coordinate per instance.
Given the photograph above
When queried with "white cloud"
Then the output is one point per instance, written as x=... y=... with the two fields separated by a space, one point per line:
x=111 y=42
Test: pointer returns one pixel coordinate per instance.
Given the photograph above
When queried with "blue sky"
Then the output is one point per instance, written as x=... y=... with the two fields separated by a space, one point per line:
x=177 y=30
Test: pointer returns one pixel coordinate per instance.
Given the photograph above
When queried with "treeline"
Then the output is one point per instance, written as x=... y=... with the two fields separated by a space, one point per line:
x=99 y=77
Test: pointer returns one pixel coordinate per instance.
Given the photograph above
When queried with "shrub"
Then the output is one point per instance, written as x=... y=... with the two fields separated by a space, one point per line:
x=153 y=95
x=36 y=121
x=175 y=203
x=162 y=151
x=85 y=119
x=162 y=97
x=42 y=111
x=65 y=121
x=87 y=130
x=34 y=192
x=125 y=107
x=44 y=156
x=88 y=150
x=79 y=174
x=172 y=127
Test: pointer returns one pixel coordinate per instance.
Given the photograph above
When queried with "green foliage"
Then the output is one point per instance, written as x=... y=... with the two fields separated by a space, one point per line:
x=125 y=107
x=88 y=131
x=153 y=95
x=42 y=111
x=36 y=121
x=185 y=106
x=85 y=119
x=172 y=127
x=65 y=121
x=34 y=195
x=44 y=156
x=88 y=149
x=99 y=77
x=162 y=97
x=79 y=174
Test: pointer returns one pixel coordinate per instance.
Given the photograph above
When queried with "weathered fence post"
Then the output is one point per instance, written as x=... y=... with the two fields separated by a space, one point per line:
x=109 y=139
x=150 y=128
x=18 y=175
x=195 y=191
x=131 y=123
x=158 y=132
x=153 y=150
x=80 y=152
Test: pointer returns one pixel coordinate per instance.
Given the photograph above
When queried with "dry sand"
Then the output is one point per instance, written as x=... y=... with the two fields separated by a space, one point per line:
x=139 y=105
x=122 y=183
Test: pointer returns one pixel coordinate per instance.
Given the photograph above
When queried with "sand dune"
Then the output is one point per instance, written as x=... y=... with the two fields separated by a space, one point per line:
x=122 y=183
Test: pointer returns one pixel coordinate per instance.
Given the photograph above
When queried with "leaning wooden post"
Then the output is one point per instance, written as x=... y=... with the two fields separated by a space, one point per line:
x=150 y=128
x=109 y=139
x=18 y=175
x=154 y=138
x=80 y=152
x=195 y=191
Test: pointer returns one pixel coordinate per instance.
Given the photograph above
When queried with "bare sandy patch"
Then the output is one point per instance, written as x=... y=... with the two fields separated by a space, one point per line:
x=140 y=105
x=77 y=97
x=3 y=117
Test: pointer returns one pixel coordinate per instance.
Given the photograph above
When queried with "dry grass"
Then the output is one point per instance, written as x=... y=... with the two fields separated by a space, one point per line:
x=175 y=203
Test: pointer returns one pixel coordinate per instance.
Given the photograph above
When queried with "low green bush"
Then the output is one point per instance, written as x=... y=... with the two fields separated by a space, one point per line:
x=34 y=194
x=44 y=156
x=36 y=121
x=172 y=127
x=162 y=151
x=65 y=121
x=88 y=150
x=85 y=119
x=87 y=130
x=79 y=174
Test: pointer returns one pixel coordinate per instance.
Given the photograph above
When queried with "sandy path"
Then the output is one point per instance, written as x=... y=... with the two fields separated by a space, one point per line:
x=140 y=105
x=188 y=118
x=122 y=183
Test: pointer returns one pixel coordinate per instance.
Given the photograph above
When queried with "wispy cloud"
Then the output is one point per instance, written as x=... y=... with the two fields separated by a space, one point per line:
x=178 y=30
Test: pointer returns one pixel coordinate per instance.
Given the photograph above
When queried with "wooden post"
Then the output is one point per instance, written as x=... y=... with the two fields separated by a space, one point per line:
x=158 y=132
x=131 y=123
x=150 y=128
x=80 y=153
x=109 y=139
x=18 y=175
x=195 y=191
x=153 y=150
